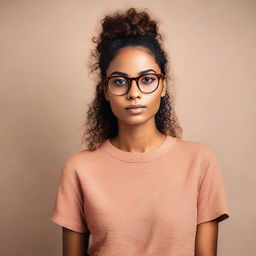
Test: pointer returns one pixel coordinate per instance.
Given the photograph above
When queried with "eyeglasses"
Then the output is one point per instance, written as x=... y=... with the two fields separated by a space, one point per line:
x=146 y=83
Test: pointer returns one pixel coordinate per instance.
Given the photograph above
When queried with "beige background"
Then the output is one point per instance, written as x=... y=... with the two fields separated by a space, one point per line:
x=45 y=89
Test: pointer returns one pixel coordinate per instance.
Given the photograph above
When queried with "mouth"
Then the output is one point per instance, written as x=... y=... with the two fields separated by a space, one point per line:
x=135 y=110
x=134 y=107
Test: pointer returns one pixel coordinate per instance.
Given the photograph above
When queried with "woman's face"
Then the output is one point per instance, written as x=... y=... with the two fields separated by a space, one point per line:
x=132 y=61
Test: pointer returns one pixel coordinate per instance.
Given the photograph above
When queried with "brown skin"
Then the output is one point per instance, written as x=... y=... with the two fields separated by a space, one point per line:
x=207 y=239
x=74 y=243
x=138 y=133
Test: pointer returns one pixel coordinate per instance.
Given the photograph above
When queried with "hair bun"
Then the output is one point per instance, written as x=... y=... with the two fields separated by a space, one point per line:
x=130 y=23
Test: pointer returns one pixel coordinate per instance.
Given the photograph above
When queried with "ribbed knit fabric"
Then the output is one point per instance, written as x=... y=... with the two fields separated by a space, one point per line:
x=141 y=204
x=137 y=156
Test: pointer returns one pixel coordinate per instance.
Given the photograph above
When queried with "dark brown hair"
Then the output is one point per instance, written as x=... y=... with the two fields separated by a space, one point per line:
x=130 y=28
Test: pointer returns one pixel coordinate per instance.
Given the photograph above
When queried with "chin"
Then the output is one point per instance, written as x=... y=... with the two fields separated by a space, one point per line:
x=135 y=119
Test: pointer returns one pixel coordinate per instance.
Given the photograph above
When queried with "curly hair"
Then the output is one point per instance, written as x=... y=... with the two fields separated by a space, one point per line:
x=131 y=28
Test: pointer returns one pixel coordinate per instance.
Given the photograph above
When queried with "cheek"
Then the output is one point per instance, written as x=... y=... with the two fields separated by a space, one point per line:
x=117 y=106
x=153 y=103
x=150 y=111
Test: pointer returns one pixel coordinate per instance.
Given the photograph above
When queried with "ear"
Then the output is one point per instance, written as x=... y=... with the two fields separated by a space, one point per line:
x=164 y=86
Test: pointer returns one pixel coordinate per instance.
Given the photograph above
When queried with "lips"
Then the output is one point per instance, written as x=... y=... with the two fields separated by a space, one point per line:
x=135 y=111
x=137 y=106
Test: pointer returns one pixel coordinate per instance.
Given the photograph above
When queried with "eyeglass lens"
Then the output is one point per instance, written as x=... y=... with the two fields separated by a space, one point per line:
x=119 y=85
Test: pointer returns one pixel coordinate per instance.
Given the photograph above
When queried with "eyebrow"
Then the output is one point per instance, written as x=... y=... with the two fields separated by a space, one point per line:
x=140 y=73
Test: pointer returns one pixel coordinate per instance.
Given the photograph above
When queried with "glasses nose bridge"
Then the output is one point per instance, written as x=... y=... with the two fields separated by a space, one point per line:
x=135 y=79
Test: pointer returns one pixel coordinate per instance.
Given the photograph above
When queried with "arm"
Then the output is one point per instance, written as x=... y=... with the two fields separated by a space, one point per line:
x=74 y=243
x=206 y=239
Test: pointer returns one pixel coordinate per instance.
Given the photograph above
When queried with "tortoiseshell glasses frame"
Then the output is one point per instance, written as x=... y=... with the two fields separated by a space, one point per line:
x=137 y=79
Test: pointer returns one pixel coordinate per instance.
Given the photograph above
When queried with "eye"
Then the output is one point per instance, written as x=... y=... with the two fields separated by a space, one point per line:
x=119 y=81
x=148 y=79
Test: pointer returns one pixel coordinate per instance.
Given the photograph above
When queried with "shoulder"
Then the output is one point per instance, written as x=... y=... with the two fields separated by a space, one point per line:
x=196 y=152
x=73 y=163
x=200 y=154
x=78 y=158
x=195 y=148
x=85 y=159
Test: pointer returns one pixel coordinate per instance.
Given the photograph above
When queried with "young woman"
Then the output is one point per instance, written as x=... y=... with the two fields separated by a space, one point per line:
x=139 y=189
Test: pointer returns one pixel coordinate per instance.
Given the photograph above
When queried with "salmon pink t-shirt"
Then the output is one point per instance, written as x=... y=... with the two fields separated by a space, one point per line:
x=141 y=203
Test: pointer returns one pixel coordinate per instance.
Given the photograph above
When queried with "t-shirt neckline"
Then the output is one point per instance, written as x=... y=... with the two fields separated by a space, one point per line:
x=127 y=156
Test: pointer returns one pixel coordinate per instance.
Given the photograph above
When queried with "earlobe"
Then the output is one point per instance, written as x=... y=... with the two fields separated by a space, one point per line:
x=164 y=88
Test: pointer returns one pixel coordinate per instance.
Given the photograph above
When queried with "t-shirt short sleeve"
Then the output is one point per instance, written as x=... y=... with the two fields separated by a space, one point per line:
x=212 y=201
x=68 y=206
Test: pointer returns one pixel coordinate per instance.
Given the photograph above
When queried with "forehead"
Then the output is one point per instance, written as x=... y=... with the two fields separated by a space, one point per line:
x=132 y=60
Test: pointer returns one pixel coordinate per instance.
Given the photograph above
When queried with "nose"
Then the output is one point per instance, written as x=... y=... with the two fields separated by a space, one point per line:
x=134 y=91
